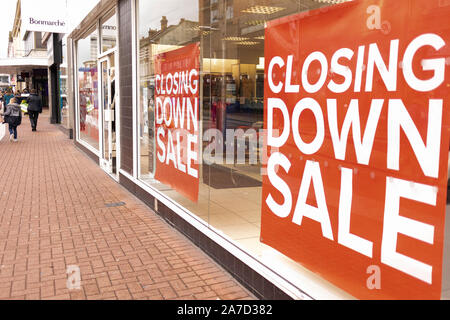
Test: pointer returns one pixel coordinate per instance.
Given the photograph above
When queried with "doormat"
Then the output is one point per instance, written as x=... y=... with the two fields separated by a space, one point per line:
x=115 y=204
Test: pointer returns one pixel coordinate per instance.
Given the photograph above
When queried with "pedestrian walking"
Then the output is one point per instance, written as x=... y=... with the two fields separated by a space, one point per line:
x=13 y=116
x=25 y=94
x=2 y=103
x=2 y=111
x=34 y=108
x=18 y=94
x=7 y=97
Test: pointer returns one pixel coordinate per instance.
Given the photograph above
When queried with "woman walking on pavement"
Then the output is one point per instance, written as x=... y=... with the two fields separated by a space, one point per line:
x=34 y=108
x=13 y=116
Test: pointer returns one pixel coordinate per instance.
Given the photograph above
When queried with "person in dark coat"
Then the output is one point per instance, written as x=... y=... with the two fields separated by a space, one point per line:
x=18 y=96
x=13 y=116
x=34 y=108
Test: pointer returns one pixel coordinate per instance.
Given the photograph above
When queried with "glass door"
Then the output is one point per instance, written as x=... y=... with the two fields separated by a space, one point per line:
x=108 y=98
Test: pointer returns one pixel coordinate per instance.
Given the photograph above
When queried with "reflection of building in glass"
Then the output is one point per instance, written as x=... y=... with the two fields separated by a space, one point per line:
x=88 y=88
x=231 y=34
x=109 y=32
x=108 y=40
x=167 y=38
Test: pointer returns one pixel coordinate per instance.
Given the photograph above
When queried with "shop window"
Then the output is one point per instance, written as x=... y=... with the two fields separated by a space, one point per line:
x=227 y=38
x=225 y=186
x=160 y=35
x=29 y=43
x=38 y=41
x=65 y=120
x=201 y=74
x=87 y=51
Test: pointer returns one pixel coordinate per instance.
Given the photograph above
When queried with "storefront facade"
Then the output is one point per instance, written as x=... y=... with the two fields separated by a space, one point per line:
x=59 y=106
x=202 y=125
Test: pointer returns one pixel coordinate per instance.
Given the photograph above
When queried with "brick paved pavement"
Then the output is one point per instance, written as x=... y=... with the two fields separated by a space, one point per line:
x=53 y=215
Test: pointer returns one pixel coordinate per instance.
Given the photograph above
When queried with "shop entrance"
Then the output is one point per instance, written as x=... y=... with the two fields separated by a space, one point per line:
x=108 y=104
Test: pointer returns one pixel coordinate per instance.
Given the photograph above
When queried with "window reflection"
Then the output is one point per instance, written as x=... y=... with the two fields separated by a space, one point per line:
x=109 y=32
x=65 y=121
x=88 y=89
x=231 y=37
x=158 y=35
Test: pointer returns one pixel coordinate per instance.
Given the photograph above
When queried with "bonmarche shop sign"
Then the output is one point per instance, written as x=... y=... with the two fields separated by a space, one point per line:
x=58 y=23
x=44 y=16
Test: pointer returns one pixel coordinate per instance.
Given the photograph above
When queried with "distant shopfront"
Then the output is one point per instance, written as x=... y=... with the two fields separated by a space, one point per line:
x=303 y=145
x=57 y=69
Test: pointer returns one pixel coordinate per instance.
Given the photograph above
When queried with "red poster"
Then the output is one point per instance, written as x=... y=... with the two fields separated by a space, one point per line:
x=357 y=113
x=177 y=87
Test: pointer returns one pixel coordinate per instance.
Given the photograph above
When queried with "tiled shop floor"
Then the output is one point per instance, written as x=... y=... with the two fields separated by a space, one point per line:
x=60 y=240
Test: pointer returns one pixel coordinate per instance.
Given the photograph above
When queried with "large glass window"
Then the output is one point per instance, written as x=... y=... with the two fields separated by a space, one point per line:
x=202 y=81
x=65 y=120
x=230 y=40
x=170 y=44
x=87 y=51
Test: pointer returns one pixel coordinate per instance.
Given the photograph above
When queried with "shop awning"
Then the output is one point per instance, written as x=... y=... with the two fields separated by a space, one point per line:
x=17 y=65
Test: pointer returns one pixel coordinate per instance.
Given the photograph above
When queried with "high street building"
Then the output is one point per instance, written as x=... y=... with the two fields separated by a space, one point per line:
x=303 y=145
x=26 y=62
x=178 y=102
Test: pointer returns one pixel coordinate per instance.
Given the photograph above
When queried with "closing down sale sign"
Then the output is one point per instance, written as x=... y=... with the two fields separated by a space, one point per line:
x=177 y=119
x=357 y=117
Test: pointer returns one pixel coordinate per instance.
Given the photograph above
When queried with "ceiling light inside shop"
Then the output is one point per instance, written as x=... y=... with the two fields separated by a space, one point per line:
x=255 y=22
x=202 y=29
x=259 y=38
x=263 y=10
x=332 y=1
x=247 y=43
x=235 y=38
